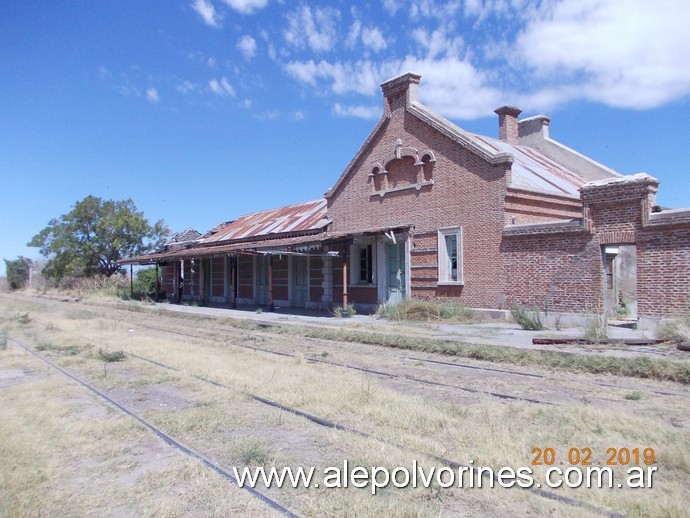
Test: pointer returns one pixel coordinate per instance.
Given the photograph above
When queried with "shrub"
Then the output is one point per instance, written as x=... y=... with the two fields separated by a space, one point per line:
x=529 y=320
x=596 y=327
x=675 y=330
x=339 y=312
x=109 y=357
x=421 y=310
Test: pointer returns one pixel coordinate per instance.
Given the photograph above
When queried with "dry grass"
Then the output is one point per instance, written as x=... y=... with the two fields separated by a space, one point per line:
x=66 y=454
x=674 y=330
x=235 y=430
x=421 y=310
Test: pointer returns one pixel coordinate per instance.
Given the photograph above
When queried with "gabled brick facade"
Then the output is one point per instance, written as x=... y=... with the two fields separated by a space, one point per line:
x=426 y=209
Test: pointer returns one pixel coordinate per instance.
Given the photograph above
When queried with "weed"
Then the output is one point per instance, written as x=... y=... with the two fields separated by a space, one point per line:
x=3 y=339
x=596 y=327
x=69 y=350
x=252 y=452
x=339 y=312
x=422 y=310
x=530 y=321
x=259 y=311
x=675 y=330
x=324 y=354
x=109 y=357
x=24 y=319
x=633 y=396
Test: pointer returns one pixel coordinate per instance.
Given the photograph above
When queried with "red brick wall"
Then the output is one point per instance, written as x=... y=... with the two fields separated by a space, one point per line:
x=467 y=191
x=362 y=294
x=564 y=266
x=563 y=270
x=663 y=271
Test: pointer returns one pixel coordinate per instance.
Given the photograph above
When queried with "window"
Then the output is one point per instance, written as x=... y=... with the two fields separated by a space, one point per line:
x=450 y=256
x=363 y=262
x=365 y=265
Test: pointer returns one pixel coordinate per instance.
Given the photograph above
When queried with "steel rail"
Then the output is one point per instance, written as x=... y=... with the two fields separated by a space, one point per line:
x=337 y=426
x=385 y=374
x=158 y=432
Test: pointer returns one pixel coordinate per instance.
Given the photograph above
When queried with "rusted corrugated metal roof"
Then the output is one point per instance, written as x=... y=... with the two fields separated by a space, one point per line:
x=279 y=245
x=301 y=217
x=533 y=170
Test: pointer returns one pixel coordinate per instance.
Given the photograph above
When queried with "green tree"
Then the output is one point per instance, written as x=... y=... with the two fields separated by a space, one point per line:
x=18 y=272
x=93 y=236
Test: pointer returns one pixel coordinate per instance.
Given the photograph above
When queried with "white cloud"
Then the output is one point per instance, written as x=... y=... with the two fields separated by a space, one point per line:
x=361 y=112
x=222 y=88
x=186 y=87
x=207 y=12
x=362 y=77
x=315 y=29
x=104 y=73
x=452 y=86
x=247 y=45
x=373 y=39
x=437 y=42
x=246 y=6
x=353 y=34
x=631 y=54
x=152 y=95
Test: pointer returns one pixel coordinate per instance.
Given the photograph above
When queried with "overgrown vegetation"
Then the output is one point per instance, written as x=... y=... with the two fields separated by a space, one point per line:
x=18 y=272
x=421 y=310
x=596 y=327
x=339 y=311
x=638 y=367
x=528 y=319
x=111 y=356
x=675 y=330
x=91 y=238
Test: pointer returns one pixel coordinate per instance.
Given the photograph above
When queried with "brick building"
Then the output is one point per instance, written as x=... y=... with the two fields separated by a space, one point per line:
x=427 y=209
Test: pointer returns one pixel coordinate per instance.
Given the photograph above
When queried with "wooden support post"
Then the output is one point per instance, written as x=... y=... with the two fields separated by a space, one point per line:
x=158 y=284
x=202 y=281
x=131 y=281
x=345 y=301
x=233 y=288
x=271 y=306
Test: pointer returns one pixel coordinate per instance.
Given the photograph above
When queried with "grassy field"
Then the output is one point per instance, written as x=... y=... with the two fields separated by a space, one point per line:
x=67 y=453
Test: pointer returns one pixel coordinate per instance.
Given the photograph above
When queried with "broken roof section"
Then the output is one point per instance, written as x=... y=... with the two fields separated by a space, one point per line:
x=301 y=218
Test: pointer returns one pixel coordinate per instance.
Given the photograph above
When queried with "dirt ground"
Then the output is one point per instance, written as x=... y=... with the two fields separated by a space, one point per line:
x=92 y=458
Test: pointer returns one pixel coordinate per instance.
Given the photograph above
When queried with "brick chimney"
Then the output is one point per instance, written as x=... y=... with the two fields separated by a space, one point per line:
x=508 y=123
x=400 y=91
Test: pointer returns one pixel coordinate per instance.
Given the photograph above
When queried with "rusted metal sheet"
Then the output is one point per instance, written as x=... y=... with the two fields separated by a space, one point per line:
x=531 y=169
x=301 y=217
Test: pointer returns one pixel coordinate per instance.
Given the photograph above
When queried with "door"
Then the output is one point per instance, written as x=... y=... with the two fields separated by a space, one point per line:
x=300 y=285
x=262 y=280
x=395 y=288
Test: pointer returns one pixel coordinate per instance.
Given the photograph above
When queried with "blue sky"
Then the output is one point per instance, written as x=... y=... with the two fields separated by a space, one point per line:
x=203 y=110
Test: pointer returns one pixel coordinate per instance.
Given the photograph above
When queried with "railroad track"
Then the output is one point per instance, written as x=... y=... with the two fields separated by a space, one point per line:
x=275 y=505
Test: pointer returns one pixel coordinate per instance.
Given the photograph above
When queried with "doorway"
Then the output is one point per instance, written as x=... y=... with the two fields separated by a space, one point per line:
x=620 y=281
x=395 y=285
